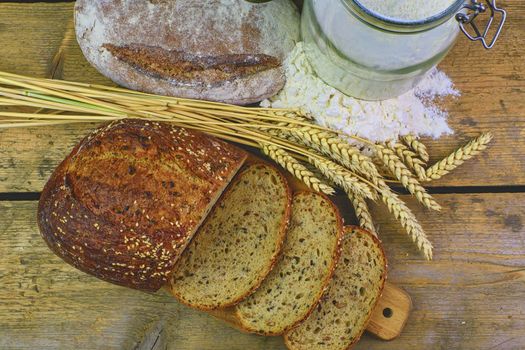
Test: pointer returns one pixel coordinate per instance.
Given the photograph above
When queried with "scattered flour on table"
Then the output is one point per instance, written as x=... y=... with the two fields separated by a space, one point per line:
x=411 y=113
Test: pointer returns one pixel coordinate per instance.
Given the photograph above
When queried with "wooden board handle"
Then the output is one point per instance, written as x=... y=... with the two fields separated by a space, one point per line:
x=391 y=313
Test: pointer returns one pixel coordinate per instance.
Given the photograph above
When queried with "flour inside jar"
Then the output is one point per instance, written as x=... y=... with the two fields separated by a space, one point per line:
x=410 y=10
x=371 y=58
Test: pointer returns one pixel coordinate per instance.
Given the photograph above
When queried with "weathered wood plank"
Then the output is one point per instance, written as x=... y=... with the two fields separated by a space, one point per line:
x=28 y=157
x=493 y=94
x=30 y=35
x=492 y=83
x=469 y=297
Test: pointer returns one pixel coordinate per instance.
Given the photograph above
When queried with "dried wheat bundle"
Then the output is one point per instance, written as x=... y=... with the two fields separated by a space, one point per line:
x=287 y=136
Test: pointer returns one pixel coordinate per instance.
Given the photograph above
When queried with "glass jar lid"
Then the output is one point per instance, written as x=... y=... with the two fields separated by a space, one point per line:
x=465 y=12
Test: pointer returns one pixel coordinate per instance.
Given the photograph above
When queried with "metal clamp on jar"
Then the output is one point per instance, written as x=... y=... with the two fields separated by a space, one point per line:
x=379 y=49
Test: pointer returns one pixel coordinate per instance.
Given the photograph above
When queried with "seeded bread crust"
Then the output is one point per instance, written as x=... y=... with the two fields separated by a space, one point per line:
x=244 y=320
x=127 y=200
x=174 y=286
x=349 y=230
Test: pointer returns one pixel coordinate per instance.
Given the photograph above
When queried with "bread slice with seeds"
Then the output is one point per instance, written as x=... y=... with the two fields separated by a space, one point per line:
x=239 y=242
x=344 y=311
x=308 y=259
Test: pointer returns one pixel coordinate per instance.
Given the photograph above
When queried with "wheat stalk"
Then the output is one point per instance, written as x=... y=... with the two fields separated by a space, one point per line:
x=417 y=146
x=333 y=146
x=297 y=169
x=401 y=172
x=408 y=220
x=288 y=136
x=411 y=160
x=458 y=157
x=342 y=177
x=362 y=212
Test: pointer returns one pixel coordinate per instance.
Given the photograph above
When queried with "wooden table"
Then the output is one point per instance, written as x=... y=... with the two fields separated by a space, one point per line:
x=471 y=296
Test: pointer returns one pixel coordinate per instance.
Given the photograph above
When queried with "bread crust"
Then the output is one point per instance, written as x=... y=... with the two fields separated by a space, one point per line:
x=348 y=229
x=283 y=228
x=228 y=52
x=127 y=200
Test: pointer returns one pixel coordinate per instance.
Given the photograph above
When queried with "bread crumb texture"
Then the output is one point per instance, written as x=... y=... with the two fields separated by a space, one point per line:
x=307 y=262
x=341 y=317
x=238 y=243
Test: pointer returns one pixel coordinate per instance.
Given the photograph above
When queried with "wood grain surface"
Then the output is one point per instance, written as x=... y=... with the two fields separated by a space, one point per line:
x=493 y=94
x=469 y=297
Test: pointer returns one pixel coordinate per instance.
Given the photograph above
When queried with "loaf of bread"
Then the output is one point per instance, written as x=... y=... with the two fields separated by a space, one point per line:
x=341 y=317
x=128 y=199
x=239 y=242
x=230 y=51
x=308 y=259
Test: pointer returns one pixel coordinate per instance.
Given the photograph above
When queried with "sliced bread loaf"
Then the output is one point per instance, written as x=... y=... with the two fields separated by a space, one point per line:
x=343 y=313
x=239 y=242
x=127 y=200
x=308 y=259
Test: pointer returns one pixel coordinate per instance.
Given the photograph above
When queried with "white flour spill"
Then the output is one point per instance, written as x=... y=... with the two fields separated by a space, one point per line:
x=411 y=113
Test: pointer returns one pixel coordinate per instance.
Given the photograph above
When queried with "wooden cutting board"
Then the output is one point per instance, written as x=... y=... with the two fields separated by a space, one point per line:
x=393 y=308
x=391 y=313
x=387 y=321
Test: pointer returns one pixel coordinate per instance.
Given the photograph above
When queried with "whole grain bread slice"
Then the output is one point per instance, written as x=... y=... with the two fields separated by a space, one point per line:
x=239 y=242
x=295 y=285
x=340 y=318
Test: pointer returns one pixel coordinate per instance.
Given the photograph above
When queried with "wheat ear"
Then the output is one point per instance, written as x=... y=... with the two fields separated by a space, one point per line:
x=411 y=160
x=408 y=220
x=331 y=145
x=401 y=172
x=297 y=169
x=362 y=212
x=474 y=147
x=417 y=146
x=342 y=177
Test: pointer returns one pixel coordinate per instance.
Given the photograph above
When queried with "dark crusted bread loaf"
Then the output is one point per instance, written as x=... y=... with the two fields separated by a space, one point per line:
x=239 y=242
x=230 y=51
x=308 y=259
x=344 y=311
x=128 y=199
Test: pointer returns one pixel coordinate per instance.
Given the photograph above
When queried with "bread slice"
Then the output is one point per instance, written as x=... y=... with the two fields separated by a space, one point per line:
x=344 y=311
x=308 y=260
x=239 y=242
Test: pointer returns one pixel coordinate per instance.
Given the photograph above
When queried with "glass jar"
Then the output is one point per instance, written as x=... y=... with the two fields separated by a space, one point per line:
x=375 y=57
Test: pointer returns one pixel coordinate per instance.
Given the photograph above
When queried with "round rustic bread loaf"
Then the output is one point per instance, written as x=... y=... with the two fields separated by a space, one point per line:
x=128 y=199
x=230 y=51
